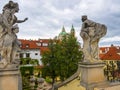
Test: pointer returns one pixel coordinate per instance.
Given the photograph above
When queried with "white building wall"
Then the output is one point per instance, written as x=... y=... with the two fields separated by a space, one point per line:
x=34 y=54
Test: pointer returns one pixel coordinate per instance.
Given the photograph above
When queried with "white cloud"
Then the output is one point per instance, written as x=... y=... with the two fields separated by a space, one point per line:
x=111 y=39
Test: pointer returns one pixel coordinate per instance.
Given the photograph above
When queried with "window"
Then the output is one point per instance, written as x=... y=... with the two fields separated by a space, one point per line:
x=27 y=45
x=36 y=53
x=21 y=55
x=103 y=51
x=38 y=44
x=45 y=44
x=27 y=54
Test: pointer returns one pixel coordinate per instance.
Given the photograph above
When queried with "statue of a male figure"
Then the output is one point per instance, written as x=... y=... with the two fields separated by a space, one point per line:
x=91 y=32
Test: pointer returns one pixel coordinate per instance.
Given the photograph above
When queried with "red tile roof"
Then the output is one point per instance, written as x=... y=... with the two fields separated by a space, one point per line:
x=111 y=53
x=34 y=44
x=43 y=49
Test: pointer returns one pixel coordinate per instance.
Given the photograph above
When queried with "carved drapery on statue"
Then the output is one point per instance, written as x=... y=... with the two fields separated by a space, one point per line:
x=91 y=32
x=9 y=43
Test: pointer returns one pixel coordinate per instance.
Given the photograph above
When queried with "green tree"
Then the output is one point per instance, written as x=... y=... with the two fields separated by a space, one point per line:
x=62 y=58
x=50 y=62
x=71 y=56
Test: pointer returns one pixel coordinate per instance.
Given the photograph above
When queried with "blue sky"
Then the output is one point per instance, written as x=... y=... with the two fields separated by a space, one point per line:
x=46 y=17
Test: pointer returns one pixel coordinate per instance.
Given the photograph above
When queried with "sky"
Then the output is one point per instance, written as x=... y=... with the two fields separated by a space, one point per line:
x=47 y=17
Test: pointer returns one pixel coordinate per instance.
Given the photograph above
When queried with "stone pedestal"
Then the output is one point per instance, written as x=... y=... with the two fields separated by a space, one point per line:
x=92 y=75
x=111 y=86
x=10 y=79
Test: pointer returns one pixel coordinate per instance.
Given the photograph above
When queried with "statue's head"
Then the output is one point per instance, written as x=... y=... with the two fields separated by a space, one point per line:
x=84 y=17
x=11 y=3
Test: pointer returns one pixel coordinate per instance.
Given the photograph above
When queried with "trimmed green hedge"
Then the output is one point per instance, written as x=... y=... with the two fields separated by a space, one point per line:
x=26 y=70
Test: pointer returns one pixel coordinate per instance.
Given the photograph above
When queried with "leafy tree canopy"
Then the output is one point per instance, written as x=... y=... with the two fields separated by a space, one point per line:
x=62 y=58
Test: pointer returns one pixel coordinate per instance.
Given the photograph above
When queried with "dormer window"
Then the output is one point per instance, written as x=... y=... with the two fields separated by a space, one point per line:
x=38 y=44
x=45 y=44
x=27 y=46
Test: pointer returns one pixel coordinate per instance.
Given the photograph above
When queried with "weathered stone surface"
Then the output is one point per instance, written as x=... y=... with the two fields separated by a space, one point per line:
x=10 y=79
x=92 y=75
x=114 y=86
x=9 y=43
x=91 y=33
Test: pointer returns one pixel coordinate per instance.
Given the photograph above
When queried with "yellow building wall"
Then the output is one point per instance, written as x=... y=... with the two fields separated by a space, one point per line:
x=73 y=85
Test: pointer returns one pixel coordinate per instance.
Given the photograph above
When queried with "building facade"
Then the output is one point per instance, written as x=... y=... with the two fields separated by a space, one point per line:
x=33 y=48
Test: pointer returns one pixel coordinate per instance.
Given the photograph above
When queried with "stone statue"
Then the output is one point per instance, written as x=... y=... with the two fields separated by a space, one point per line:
x=9 y=5
x=9 y=43
x=91 y=32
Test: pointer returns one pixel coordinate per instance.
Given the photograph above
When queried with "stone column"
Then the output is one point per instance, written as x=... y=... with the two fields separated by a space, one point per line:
x=10 y=79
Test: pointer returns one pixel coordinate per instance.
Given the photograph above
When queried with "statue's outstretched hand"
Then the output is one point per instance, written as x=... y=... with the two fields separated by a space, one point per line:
x=25 y=19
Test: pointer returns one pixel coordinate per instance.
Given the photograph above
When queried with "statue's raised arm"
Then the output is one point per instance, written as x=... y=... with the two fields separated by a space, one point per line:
x=21 y=21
